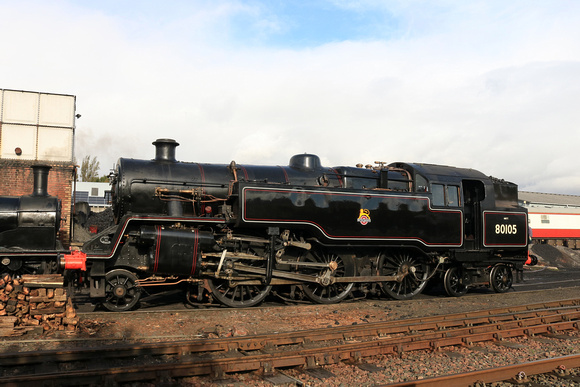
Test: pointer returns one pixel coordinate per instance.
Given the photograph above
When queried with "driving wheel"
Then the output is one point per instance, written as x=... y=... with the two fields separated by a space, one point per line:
x=238 y=296
x=413 y=271
x=328 y=293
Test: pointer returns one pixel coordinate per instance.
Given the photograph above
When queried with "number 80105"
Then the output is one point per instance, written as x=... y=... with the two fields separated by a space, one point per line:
x=506 y=229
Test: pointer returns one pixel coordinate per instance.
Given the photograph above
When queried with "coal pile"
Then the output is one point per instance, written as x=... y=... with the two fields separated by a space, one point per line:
x=556 y=256
x=88 y=223
x=100 y=220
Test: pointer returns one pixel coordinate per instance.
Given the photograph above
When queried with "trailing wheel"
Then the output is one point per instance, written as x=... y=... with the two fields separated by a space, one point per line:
x=455 y=282
x=412 y=271
x=338 y=266
x=121 y=290
x=501 y=278
x=238 y=295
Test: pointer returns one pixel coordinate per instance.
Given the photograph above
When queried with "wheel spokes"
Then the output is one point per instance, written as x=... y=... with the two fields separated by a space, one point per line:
x=121 y=291
x=455 y=282
x=501 y=278
x=415 y=275
x=238 y=296
x=331 y=293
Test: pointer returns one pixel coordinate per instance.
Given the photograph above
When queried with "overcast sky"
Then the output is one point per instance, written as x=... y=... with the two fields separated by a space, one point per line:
x=489 y=85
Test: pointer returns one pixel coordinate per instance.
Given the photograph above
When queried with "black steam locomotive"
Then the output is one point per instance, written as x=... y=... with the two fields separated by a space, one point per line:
x=236 y=233
x=28 y=230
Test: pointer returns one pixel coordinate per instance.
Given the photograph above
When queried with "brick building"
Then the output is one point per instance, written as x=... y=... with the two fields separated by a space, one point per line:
x=38 y=128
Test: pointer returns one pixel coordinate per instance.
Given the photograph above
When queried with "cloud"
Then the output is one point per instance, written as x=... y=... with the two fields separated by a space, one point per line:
x=486 y=85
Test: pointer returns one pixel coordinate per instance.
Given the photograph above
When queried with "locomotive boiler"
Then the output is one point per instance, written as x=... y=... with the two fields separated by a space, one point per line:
x=236 y=233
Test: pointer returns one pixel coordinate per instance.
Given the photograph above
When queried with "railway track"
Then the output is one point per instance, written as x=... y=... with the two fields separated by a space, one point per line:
x=266 y=353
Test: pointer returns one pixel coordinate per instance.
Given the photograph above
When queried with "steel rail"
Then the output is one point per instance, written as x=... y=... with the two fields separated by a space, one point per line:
x=491 y=375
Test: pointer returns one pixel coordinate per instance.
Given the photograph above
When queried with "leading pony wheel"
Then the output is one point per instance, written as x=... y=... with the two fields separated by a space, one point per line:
x=121 y=290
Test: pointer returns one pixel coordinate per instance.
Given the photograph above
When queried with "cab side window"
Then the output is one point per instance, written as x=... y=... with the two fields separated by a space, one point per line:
x=453 y=196
x=438 y=191
x=445 y=195
x=421 y=183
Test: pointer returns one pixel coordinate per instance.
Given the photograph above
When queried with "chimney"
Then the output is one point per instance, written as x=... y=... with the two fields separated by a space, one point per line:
x=40 y=179
x=165 y=149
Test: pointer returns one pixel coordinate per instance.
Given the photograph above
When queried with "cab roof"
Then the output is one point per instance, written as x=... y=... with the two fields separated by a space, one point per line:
x=441 y=172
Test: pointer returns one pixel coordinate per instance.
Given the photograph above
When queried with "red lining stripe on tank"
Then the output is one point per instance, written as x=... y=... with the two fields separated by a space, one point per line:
x=245 y=172
x=285 y=174
x=338 y=177
x=202 y=177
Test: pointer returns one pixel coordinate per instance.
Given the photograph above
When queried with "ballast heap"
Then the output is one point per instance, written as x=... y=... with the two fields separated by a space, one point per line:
x=236 y=233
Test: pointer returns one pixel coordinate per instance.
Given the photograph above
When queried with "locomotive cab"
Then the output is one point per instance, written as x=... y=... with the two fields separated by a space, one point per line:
x=486 y=204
